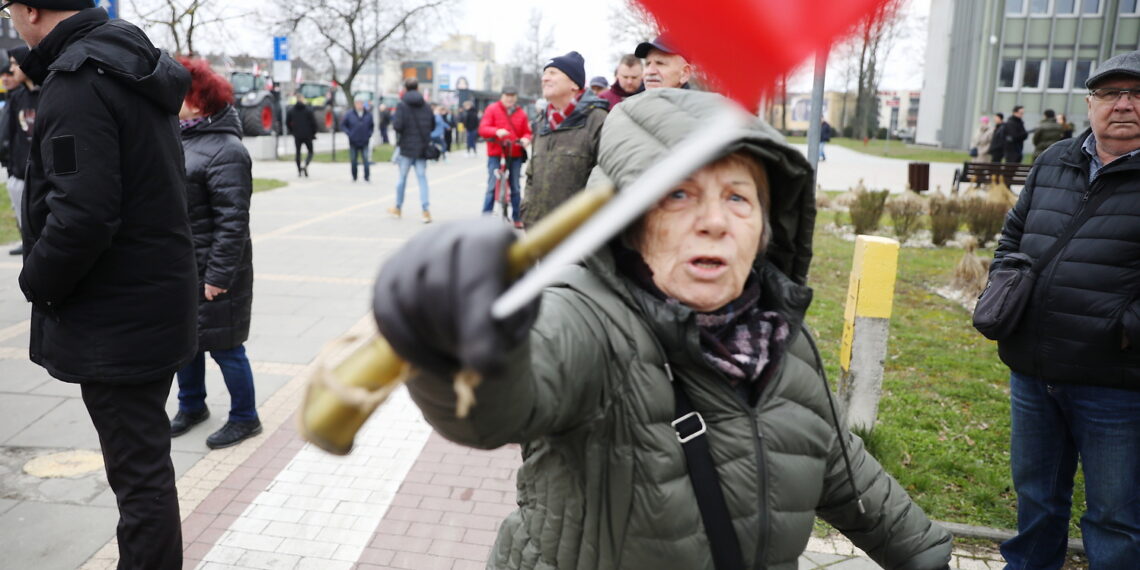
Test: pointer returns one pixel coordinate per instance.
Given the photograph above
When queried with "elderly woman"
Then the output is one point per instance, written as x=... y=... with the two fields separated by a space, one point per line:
x=219 y=183
x=698 y=306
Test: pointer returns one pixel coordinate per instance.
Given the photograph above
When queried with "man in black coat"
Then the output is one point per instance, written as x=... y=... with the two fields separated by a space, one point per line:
x=1014 y=134
x=20 y=118
x=303 y=127
x=108 y=259
x=413 y=124
x=997 y=143
x=1073 y=358
x=385 y=120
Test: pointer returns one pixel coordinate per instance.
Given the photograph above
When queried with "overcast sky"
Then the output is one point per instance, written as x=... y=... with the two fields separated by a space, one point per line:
x=583 y=25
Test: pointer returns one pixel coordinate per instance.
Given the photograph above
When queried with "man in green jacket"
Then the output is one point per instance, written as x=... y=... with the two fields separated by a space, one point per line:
x=566 y=145
x=1048 y=132
x=704 y=296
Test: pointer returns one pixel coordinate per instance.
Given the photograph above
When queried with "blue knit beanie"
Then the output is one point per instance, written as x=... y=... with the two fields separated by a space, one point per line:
x=572 y=64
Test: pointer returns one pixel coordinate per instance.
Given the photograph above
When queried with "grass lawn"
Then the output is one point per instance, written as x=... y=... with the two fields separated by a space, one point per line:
x=895 y=149
x=380 y=153
x=943 y=428
x=266 y=184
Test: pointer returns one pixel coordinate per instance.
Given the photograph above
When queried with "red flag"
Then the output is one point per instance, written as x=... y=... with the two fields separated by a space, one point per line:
x=744 y=46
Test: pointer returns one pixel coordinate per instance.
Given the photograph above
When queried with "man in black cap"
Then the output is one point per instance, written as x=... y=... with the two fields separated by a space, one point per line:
x=664 y=67
x=566 y=145
x=108 y=259
x=1073 y=359
x=19 y=118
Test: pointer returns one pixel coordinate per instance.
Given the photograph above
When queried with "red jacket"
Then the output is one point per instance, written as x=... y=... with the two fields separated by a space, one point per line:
x=517 y=125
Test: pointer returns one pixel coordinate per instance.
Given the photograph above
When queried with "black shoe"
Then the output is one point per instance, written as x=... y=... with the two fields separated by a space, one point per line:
x=306 y=171
x=18 y=251
x=233 y=433
x=183 y=421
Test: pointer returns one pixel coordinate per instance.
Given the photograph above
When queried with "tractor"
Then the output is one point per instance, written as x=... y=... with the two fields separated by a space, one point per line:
x=256 y=102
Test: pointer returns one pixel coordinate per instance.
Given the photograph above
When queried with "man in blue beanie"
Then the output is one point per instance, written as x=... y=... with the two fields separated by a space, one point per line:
x=566 y=144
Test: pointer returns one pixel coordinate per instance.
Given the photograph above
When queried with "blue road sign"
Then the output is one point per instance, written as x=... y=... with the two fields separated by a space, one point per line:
x=280 y=48
x=111 y=6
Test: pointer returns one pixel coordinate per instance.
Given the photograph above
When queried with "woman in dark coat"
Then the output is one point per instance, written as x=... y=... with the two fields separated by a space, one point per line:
x=219 y=182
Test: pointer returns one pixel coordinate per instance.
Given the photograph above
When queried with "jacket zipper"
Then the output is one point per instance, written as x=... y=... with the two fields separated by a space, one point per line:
x=1056 y=262
x=758 y=443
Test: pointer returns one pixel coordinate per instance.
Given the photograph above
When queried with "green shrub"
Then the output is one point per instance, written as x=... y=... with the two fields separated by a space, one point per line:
x=984 y=218
x=906 y=215
x=945 y=217
x=867 y=210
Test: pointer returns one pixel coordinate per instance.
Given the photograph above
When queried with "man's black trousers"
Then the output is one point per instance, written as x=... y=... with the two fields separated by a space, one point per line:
x=134 y=432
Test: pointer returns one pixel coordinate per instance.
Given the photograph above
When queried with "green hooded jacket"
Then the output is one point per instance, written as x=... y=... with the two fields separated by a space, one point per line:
x=604 y=483
x=562 y=158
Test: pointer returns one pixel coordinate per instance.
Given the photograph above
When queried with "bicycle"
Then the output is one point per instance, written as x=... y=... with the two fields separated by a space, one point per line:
x=502 y=198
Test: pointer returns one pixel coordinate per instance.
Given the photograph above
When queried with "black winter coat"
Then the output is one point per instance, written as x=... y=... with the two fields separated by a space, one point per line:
x=17 y=130
x=997 y=144
x=1014 y=134
x=1089 y=295
x=302 y=125
x=219 y=183
x=413 y=123
x=109 y=263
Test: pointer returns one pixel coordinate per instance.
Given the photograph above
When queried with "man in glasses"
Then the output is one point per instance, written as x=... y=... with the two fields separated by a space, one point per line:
x=1075 y=356
x=108 y=259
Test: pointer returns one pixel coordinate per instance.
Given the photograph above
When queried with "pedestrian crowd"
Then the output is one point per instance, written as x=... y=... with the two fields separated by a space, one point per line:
x=671 y=403
x=999 y=139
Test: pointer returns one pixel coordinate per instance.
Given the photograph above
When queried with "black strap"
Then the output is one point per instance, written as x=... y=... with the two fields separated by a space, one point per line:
x=1071 y=229
x=690 y=427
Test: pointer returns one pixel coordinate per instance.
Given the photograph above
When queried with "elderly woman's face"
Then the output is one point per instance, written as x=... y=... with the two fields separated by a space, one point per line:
x=701 y=239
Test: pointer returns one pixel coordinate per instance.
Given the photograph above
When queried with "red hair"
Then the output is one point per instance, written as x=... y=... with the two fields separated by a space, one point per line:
x=209 y=92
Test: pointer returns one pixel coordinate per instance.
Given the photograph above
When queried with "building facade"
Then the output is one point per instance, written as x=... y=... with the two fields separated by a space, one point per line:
x=986 y=56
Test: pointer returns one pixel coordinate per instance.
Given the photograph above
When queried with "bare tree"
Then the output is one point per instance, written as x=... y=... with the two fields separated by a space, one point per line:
x=353 y=31
x=532 y=52
x=868 y=49
x=632 y=24
x=177 y=23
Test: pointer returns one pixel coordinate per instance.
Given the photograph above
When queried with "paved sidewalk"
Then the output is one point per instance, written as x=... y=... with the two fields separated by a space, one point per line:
x=405 y=498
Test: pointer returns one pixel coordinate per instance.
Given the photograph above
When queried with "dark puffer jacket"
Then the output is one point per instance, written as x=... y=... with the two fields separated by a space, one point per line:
x=413 y=123
x=109 y=263
x=219 y=183
x=1089 y=295
x=563 y=158
x=604 y=484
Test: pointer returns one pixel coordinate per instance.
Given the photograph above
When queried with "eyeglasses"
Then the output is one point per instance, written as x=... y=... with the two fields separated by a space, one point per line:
x=1106 y=94
x=4 y=10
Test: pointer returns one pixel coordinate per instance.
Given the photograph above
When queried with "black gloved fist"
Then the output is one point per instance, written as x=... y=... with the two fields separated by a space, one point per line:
x=433 y=298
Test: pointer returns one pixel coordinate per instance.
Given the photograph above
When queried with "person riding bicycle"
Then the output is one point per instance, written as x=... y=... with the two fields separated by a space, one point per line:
x=505 y=121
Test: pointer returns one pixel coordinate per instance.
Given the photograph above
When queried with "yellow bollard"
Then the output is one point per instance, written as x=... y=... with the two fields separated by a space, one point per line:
x=866 y=325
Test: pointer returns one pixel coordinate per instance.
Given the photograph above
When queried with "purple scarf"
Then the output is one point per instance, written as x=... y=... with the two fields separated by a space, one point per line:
x=740 y=339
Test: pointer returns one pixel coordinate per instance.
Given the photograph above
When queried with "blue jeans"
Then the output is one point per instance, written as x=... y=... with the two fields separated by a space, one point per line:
x=471 y=140
x=822 y=154
x=405 y=164
x=514 y=165
x=361 y=152
x=1054 y=425
x=239 y=381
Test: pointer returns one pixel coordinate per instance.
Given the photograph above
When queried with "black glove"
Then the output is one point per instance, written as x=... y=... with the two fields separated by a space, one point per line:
x=433 y=298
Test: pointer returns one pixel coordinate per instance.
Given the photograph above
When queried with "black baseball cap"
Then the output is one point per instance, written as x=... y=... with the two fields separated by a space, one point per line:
x=510 y=90
x=660 y=42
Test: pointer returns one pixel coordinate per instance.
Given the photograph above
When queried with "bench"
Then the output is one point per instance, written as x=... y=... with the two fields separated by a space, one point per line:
x=986 y=172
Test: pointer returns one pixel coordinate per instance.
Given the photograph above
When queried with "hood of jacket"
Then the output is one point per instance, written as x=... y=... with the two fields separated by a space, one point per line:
x=640 y=131
x=225 y=122
x=413 y=99
x=120 y=51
